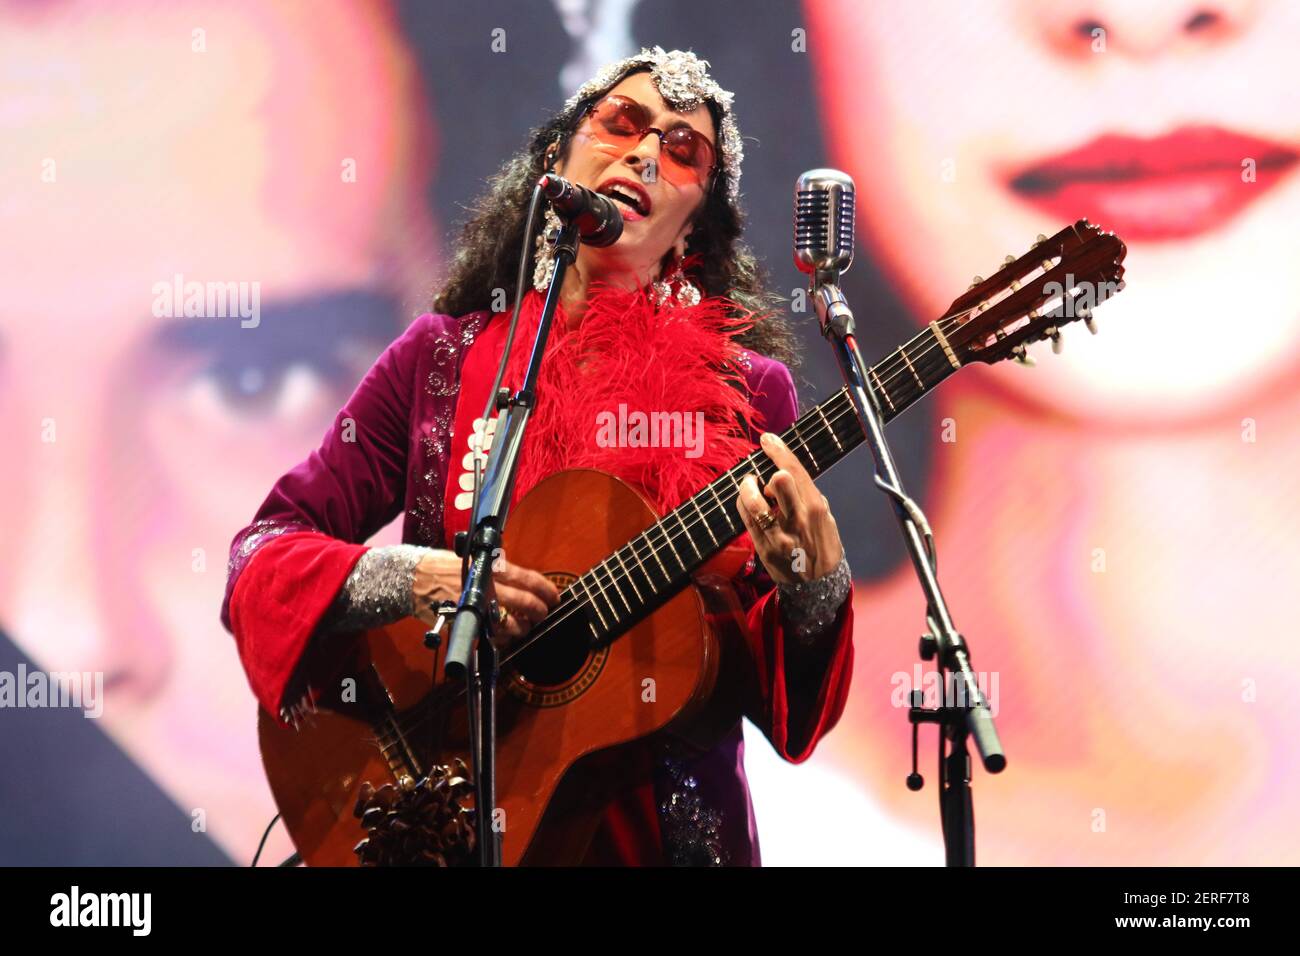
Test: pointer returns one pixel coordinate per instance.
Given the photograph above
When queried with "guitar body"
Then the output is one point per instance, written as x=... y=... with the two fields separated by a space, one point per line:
x=564 y=710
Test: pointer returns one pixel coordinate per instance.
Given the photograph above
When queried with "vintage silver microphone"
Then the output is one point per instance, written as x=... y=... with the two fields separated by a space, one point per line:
x=823 y=241
x=823 y=222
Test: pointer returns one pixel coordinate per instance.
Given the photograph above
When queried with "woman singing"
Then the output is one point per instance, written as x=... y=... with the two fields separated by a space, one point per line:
x=671 y=318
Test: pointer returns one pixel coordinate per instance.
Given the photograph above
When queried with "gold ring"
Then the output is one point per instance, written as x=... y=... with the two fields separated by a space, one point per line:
x=765 y=520
x=503 y=613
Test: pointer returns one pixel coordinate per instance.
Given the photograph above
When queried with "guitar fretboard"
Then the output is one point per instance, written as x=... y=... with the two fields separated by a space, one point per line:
x=657 y=563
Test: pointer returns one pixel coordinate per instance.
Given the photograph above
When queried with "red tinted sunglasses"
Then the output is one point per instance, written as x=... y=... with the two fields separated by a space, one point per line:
x=624 y=123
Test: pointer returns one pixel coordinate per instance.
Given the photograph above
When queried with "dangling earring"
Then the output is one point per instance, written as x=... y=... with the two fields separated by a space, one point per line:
x=544 y=251
x=543 y=245
x=687 y=294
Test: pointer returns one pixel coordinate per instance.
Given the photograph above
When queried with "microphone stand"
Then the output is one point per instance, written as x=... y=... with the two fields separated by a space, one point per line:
x=482 y=548
x=967 y=712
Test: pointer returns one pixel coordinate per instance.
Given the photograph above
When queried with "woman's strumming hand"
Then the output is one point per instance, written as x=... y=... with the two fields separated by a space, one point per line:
x=527 y=595
x=803 y=543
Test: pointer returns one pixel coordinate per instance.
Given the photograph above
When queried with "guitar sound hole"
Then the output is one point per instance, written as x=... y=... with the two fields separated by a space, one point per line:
x=559 y=655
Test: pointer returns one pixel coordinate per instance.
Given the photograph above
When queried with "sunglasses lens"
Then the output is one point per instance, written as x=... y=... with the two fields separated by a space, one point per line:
x=689 y=148
x=624 y=123
x=621 y=120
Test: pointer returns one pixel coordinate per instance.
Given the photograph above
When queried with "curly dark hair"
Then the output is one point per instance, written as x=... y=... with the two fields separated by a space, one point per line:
x=487 y=256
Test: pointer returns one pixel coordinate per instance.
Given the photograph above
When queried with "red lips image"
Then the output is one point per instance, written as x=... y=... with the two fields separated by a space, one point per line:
x=1172 y=187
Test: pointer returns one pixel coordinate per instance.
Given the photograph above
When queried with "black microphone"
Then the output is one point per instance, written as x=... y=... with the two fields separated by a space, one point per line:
x=597 y=217
x=823 y=224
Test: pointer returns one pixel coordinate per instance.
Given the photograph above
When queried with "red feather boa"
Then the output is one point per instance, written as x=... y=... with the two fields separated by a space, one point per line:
x=625 y=351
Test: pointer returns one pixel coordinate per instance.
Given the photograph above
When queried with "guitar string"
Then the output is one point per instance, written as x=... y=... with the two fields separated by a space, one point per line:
x=823 y=433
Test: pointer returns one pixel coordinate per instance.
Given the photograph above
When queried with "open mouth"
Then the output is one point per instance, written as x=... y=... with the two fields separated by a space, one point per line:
x=633 y=197
x=1173 y=186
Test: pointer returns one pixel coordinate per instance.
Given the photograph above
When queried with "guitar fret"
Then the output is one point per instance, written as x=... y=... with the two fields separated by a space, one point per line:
x=681 y=521
x=617 y=590
x=908 y=362
x=605 y=593
x=722 y=509
x=696 y=503
x=803 y=441
x=884 y=393
x=594 y=605
x=654 y=553
x=663 y=529
x=631 y=546
x=628 y=574
x=834 y=437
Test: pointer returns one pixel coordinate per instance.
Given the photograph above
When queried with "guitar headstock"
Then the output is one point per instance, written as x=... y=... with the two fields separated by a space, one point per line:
x=1059 y=281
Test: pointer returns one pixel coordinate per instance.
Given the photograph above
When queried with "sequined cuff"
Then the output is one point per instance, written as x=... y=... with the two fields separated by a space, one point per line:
x=810 y=608
x=377 y=592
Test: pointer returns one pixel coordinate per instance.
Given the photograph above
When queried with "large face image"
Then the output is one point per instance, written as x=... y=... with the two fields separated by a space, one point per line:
x=1100 y=518
x=970 y=134
x=166 y=150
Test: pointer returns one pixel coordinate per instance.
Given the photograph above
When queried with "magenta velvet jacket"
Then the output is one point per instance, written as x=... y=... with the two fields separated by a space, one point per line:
x=288 y=565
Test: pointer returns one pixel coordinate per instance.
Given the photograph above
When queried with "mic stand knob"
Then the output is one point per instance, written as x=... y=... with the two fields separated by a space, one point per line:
x=914 y=780
x=433 y=636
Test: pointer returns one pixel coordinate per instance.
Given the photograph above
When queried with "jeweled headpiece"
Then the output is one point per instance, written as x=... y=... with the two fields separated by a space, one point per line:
x=682 y=79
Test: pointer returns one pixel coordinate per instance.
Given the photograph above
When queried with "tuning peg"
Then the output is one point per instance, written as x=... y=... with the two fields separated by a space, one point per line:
x=1057 y=344
x=1039 y=239
x=1086 y=315
x=1023 y=357
x=1007 y=260
x=976 y=281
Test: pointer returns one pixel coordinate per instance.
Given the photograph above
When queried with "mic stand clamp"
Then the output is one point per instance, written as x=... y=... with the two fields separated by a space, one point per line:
x=970 y=715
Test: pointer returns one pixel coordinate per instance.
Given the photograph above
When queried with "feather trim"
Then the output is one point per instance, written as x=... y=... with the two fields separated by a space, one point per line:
x=677 y=369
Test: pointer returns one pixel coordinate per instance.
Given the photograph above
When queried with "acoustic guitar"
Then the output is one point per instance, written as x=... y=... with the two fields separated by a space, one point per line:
x=644 y=604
